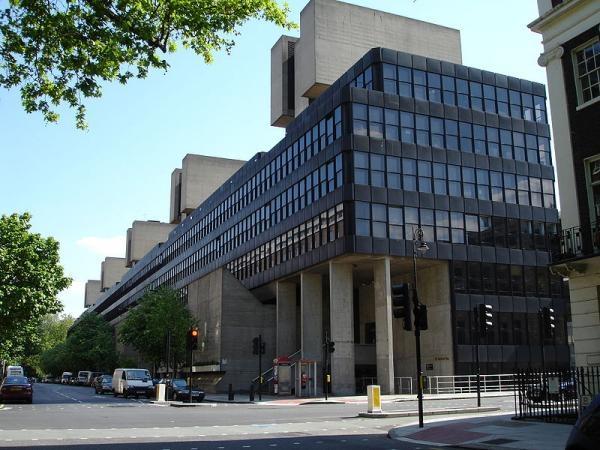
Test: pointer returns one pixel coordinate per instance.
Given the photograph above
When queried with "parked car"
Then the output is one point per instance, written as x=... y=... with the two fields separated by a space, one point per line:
x=178 y=390
x=16 y=388
x=82 y=377
x=92 y=377
x=135 y=382
x=102 y=384
x=66 y=377
x=585 y=434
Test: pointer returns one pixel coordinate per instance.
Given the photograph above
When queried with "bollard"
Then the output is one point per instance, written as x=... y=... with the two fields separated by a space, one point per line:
x=374 y=399
x=230 y=395
x=252 y=392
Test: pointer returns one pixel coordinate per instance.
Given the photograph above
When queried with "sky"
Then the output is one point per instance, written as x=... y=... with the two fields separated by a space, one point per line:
x=85 y=188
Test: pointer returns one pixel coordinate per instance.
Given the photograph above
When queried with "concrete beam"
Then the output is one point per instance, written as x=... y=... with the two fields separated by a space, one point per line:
x=311 y=317
x=342 y=328
x=384 y=343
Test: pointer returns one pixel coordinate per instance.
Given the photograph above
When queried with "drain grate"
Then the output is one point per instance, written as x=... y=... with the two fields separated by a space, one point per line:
x=500 y=441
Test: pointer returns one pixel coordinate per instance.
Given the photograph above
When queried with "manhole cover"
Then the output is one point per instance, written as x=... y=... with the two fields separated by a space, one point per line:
x=498 y=441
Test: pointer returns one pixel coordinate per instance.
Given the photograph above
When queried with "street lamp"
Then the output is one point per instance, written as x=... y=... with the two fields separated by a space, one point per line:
x=419 y=247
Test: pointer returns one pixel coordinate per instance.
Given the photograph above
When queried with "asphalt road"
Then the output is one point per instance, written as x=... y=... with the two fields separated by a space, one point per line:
x=75 y=417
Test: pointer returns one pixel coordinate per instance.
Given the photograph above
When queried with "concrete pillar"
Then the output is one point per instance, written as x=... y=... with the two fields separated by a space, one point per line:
x=384 y=344
x=286 y=318
x=342 y=329
x=311 y=311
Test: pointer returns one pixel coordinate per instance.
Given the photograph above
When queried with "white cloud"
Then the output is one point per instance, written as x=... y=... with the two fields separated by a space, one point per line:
x=73 y=297
x=110 y=246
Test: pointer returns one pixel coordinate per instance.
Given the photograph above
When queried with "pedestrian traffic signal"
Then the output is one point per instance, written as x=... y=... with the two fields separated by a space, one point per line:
x=193 y=338
x=421 y=317
x=255 y=346
x=485 y=319
x=548 y=322
x=331 y=347
x=401 y=304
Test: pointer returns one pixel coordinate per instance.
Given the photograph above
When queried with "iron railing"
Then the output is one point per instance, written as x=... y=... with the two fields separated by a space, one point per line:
x=467 y=384
x=402 y=385
x=575 y=241
x=555 y=396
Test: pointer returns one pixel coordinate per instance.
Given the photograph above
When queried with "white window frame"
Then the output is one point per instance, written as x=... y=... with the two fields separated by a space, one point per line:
x=580 y=102
x=588 y=186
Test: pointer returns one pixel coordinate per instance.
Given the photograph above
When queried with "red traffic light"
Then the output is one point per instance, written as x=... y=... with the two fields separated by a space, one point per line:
x=194 y=333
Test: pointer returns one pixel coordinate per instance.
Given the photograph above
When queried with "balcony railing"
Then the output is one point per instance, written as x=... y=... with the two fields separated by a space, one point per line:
x=578 y=241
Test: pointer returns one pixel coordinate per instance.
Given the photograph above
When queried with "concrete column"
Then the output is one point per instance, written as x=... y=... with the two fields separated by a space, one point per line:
x=342 y=329
x=311 y=311
x=384 y=344
x=286 y=318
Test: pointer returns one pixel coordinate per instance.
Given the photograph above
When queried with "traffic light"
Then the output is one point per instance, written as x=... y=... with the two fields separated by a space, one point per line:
x=255 y=346
x=485 y=319
x=548 y=322
x=193 y=338
x=401 y=304
x=331 y=347
x=421 y=317
x=263 y=348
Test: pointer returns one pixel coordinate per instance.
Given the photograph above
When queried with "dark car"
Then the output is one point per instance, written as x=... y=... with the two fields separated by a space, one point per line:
x=102 y=384
x=179 y=390
x=585 y=434
x=16 y=388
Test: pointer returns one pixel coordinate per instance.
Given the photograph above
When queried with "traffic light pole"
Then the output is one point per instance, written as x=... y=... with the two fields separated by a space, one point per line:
x=541 y=320
x=191 y=364
x=417 y=339
x=260 y=367
x=478 y=369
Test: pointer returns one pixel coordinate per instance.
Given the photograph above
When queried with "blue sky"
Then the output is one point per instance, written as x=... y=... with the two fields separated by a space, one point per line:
x=86 y=188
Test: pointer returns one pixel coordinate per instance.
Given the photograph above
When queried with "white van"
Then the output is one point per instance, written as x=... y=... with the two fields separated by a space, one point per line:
x=65 y=378
x=136 y=382
x=15 y=371
x=82 y=377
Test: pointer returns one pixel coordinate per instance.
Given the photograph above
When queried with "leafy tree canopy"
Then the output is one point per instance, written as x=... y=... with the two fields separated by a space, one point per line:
x=30 y=279
x=146 y=326
x=60 y=51
x=90 y=344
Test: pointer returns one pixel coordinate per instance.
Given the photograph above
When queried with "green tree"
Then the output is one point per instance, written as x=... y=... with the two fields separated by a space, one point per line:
x=60 y=51
x=30 y=279
x=146 y=326
x=48 y=333
x=90 y=344
x=56 y=360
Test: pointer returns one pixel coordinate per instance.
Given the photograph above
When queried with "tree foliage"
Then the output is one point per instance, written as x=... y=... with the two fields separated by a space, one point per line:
x=30 y=279
x=50 y=331
x=89 y=346
x=60 y=51
x=146 y=326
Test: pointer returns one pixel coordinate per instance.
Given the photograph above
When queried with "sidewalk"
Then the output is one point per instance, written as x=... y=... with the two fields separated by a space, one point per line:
x=356 y=400
x=499 y=432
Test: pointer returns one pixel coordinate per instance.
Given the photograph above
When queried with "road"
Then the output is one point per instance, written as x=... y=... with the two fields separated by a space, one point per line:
x=75 y=417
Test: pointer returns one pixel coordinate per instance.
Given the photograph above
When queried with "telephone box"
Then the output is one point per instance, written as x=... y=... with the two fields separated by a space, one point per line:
x=282 y=372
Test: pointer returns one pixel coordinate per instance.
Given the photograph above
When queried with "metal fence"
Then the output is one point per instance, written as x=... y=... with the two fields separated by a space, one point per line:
x=463 y=384
x=555 y=396
x=402 y=385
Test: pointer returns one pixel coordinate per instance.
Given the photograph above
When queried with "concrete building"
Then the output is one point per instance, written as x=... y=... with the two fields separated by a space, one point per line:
x=571 y=57
x=111 y=271
x=143 y=236
x=312 y=238
x=333 y=36
x=197 y=179
x=93 y=290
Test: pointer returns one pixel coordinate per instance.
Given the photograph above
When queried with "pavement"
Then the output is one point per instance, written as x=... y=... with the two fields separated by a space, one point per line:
x=490 y=433
x=353 y=400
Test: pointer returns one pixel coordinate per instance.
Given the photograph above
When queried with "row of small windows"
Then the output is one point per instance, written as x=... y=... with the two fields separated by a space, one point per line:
x=454 y=91
x=396 y=222
x=505 y=279
x=447 y=179
x=364 y=80
x=385 y=123
x=306 y=147
x=312 y=234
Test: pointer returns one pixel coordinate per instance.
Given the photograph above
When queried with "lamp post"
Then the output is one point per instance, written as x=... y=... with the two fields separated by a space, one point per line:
x=419 y=246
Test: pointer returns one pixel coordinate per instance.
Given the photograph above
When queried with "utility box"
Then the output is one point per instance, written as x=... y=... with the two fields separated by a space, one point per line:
x=374 y=399
x=161 y=389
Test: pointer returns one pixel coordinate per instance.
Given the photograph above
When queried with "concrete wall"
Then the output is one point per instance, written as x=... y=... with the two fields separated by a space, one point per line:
x=112 y=270
x=175 y=203
x=92 y=292
x=334 y=35
x=143 y=236
x=584 y=290
x=281 y=83
x=200 y=177
x=436 y=342
x=229 y=317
